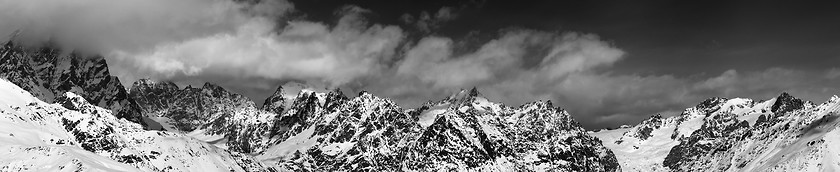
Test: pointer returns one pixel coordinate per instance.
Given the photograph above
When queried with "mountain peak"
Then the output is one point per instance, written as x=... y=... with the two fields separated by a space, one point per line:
x=211 y=86
x=463 y=96
x=786 y=95
x=473 y=92
x=334 y=99
x=336 y=94
x=711 y=102
x=146 y=82
x=278 y=91
x=785 y=102
x=276 y=102
x=9 y=43
x=363 y=93
x=336 y=91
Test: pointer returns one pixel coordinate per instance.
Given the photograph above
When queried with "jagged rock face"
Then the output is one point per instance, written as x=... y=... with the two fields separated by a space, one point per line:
x=644 y=129
x=211 y=109
x=190 y=108
x=780 y=134
x=714 y=136
x=76 y=135
x=46 y=72
x=711 y=104
x=721 y=128
x=785 y=103
x=657 y=144
x=796 y=136
x=365 y=132
x=301 y=114
x=466 y=132
x=276 y=102
x=334 y=100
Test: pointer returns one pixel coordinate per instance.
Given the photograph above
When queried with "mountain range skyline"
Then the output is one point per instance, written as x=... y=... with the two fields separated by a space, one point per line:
x=67 y=109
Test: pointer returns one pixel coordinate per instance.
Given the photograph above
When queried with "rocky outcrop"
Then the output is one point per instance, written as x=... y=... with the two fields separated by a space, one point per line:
x=48 y=72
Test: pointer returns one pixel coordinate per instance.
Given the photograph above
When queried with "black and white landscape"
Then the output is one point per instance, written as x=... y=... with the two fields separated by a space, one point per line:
x=276 y=85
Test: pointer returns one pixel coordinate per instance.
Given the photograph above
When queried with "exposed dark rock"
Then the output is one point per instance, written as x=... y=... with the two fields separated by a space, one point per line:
x=785 y=103
x=46 y=72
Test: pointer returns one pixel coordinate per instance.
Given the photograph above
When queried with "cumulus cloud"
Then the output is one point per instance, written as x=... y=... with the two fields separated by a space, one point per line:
x=517 y=67
x=301 y=50
x=502 y=59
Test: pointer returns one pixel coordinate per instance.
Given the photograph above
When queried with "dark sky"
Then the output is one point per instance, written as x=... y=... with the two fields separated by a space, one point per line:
x=660 y=36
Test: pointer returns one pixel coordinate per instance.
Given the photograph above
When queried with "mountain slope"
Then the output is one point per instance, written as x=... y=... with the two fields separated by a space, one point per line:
x=73 y=134
x=211 y=113
x=796 y=136
x=48 y=72
x=780 y=134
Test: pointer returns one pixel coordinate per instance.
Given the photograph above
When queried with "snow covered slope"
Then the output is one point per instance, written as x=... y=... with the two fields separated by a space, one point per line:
x=780 y=134
x=644 y=147
x=74 y=135
x=796 y=136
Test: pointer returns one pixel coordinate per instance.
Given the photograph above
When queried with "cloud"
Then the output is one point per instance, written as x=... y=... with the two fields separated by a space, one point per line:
x=301 y=50
x=251 y=46
x=503 y=59
x=833 y=73
x=130 y=25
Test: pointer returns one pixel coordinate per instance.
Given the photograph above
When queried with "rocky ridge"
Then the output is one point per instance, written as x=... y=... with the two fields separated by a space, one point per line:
x=49 y=72
x=463 y=132
x=720 y=134
x=74 y=135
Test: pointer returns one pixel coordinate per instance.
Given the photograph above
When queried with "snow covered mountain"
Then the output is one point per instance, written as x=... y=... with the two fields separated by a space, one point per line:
x=47 y=73
x=463 y=132
x=210 y=113
x=719 y=134
x=74 y=135
x=329 y=131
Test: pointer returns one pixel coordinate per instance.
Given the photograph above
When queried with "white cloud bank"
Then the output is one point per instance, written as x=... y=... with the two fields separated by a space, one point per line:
x=104 y=25
x=301 y=50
